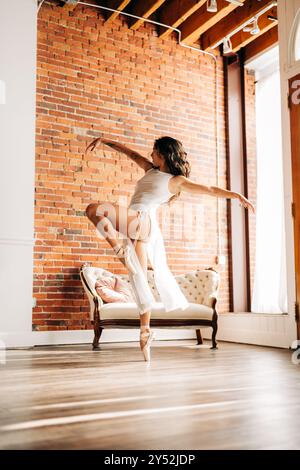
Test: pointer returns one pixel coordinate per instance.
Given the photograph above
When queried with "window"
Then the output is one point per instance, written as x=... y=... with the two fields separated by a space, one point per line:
x=269 y=285
x=294 y=42
x=297 y=41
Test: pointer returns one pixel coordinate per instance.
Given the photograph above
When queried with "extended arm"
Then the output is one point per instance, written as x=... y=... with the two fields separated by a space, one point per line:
x=135 y=156
x=185 y=184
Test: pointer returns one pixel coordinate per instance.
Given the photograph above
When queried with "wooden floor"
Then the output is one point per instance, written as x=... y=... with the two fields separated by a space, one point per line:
x=69 y=397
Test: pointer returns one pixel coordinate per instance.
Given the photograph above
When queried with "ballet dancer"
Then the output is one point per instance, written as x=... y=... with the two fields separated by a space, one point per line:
x=166 y=176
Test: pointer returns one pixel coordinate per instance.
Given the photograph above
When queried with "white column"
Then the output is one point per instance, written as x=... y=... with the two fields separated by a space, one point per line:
x=287 y=10
x=18 y=31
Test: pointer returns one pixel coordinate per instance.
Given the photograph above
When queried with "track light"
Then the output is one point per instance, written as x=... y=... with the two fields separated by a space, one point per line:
x=255 y=29
x=236 y=2
x=252 y=27
x=249 y=27
x=212 y=6
x=227 y=46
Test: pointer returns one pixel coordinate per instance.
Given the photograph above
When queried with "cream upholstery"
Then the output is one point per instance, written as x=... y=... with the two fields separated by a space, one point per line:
x=200 y=288
x=130 y=310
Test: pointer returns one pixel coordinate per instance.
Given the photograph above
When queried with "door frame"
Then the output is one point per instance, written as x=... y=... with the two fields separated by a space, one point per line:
x=294 y=110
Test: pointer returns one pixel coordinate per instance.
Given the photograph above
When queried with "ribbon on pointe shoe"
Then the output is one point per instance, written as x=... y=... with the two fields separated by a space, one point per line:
x=150 y=335
x=124 y=253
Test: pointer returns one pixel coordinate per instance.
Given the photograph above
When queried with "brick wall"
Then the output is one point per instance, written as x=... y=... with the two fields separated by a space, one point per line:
x=96 y=79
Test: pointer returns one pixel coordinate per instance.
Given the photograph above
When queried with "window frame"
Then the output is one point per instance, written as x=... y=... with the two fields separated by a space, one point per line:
x=295 y=30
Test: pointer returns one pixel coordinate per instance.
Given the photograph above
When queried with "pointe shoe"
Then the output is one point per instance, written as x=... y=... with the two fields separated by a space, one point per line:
x=124 y=253
x=148 y=337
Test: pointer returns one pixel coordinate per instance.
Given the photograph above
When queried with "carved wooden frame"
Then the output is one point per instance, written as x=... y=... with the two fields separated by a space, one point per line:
x=99 y=324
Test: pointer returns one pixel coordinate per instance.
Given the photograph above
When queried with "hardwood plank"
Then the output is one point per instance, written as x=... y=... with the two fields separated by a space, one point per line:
x=69 y=397
x=175 y=12
x=145 y=9
x=116 y=5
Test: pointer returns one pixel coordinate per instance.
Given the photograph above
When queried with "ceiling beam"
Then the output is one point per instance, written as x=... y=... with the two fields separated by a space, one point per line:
x=241 y=39
x=202 y=20
x=175 y=12
x=261 y=44
x=144 y=8
x=116 y=5
x=239 y=16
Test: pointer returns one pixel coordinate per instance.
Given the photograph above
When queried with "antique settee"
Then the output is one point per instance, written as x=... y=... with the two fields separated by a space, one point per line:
x=200 y=288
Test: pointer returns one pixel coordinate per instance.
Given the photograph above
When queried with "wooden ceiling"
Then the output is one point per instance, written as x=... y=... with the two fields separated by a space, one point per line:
x=198 y=26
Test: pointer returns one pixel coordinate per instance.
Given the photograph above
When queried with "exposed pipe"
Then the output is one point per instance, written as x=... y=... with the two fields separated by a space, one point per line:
x=40 y=3
x=219 y=248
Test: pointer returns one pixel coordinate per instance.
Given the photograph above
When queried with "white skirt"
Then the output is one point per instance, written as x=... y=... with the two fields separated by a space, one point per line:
x=169 y=291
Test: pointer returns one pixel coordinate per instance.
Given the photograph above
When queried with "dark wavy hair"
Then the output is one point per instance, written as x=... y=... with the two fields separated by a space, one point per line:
x=175 y=157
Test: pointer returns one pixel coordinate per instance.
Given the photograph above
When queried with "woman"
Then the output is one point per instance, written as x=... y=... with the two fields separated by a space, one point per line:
x=165 y=177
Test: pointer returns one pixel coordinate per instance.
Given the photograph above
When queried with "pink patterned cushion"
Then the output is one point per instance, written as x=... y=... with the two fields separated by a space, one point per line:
x=113 y=289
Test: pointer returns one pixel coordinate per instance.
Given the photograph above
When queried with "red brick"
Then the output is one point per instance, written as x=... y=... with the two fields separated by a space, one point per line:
x=95 y=79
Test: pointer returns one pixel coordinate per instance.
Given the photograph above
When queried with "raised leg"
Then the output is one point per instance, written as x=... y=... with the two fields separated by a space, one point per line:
x=199 y=337
x=111 y=220
x=104 y=219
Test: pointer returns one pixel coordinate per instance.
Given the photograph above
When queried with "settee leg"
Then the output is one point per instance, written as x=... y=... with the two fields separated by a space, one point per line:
x=98 y=332
x=199 y=337
x=97 y=328
x=213 y=337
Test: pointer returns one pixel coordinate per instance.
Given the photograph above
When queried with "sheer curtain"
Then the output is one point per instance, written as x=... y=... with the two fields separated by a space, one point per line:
x=270 y=285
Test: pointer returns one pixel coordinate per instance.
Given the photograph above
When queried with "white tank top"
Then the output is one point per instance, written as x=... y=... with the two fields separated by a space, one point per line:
x=151 y=190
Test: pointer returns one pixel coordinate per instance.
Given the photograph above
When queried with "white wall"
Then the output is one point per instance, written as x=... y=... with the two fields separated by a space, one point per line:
x=275 y=330
x=17 y=156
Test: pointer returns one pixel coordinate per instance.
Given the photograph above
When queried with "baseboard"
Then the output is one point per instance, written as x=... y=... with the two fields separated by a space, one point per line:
x=273 y=330
x=44 y=338
x=258 y=329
